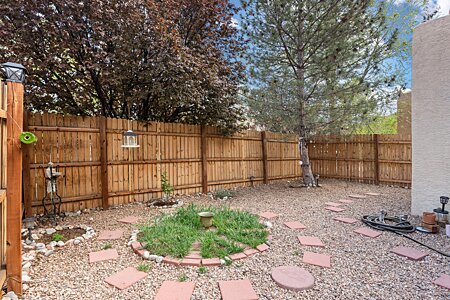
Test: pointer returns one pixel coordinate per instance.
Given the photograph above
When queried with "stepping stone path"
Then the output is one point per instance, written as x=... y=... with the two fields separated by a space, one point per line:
x=129 y=220
x=172 y=290
x=443 y=281
x=346 y=220
x=110 y=235
x=292 y=278
x=237 y=290
x=125 y=278
x=346 y=201
x=368 y=232
x=356 y=196
x=310 y=241
x=410 y=253
x=268 y=215
x=333 y=204
x=295 y=225
x=317 y=259
x=335 y=209
x=103 y=255
x=372 y=194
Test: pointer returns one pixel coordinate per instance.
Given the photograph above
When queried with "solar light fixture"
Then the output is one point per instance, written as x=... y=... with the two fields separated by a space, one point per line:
x=130 y=139
x=29 y=224
x=444 y=201
x=13 y=72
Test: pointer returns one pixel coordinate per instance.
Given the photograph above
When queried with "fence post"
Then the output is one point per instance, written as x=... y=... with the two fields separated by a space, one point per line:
x=104 y=161
x=14 y=124
x=377 y=159
x=264 y=153
x=26 y=171
x=204 y=152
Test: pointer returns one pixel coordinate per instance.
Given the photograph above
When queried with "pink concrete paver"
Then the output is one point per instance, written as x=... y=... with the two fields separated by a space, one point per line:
x=208 y=262
x=368 y=232
x=372 y=194
x=335 y=209
x=171 y=261
x=292 y=278
x=333 y=204
x=346 y=201
x=237 y=256
x=110 y=235
x=443 y=281
x=125 y=278
x=410 y=253
x=262 y=247
x=317 y=259
x=237 y=290
x=250 y=252
x=173 y=290
x=310 y=241
x=191 y=262
x=103 y=255
x=295 y=225
x=129 y=220
x=356 y=196
x=137 y=247
x=346 y=220
x=268 y=215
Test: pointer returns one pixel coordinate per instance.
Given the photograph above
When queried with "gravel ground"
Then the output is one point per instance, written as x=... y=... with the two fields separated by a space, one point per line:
x=362 y=268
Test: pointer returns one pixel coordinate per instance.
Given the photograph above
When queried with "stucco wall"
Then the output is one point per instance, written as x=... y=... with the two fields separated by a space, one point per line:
x=404 y=114
x=430 y=114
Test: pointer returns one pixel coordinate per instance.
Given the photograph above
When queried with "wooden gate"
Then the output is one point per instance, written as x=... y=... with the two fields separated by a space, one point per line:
x=2 y=182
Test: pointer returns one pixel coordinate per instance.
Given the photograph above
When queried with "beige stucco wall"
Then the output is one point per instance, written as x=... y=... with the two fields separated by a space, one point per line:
x=430 y=114
x=404 y=114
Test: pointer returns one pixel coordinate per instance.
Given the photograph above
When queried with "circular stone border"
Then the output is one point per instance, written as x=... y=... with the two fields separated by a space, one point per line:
x=292 y=278
x=138 y=248
x=48 y=249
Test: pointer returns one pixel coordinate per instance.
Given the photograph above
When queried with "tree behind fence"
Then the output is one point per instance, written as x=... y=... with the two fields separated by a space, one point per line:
x=99 y=172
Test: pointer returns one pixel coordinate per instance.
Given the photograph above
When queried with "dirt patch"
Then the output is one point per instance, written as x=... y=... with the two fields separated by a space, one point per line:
x=67 y=234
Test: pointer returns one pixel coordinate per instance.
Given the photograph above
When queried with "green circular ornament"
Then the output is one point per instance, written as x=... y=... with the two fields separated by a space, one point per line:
x=27 y=138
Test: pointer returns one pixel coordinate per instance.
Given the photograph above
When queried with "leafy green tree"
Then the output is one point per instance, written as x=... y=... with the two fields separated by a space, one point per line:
x=172 y=61
x=320 y=66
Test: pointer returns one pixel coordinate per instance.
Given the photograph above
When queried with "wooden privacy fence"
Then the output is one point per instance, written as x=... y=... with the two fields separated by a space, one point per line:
x=99 y=172
x=373 y=158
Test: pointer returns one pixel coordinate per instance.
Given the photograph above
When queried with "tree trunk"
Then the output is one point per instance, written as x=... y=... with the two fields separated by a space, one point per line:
x=308 y=177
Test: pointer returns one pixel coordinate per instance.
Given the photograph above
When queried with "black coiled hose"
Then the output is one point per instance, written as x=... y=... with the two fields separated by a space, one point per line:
x=398 y=225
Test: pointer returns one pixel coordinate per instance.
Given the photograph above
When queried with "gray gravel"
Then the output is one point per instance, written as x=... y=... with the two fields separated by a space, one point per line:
x=362 y=268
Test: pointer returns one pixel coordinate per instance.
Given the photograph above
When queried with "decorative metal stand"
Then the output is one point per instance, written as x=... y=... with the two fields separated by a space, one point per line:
x=51 y=197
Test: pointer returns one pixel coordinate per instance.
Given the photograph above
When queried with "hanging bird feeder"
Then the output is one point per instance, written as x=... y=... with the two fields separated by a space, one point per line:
x=130 y=139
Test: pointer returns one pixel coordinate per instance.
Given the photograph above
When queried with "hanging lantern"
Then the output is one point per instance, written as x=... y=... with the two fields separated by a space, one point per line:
x=130 y=140
x=13 y=72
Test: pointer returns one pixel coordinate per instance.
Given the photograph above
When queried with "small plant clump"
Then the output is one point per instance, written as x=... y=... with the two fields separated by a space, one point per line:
x=174 y=235
x=57 y=237
x=224 y=194
x=166 y=187
x=182 y=277
x=106 y=246
x=144 y=268
x=202 y=270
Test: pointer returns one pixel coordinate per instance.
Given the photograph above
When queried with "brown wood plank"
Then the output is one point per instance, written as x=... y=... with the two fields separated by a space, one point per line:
x=14 y=126
x=204 y=156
